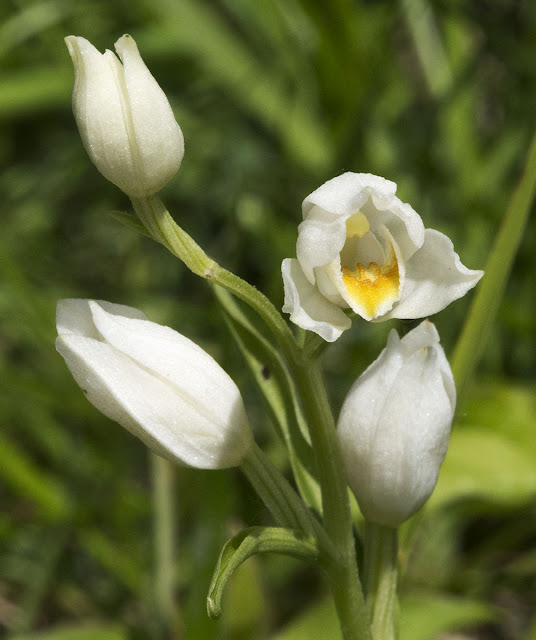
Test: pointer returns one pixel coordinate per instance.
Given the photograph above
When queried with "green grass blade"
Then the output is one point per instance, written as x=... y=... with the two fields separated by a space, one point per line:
x=486 y=302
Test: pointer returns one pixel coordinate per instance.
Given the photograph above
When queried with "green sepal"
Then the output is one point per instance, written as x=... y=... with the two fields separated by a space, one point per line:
x=250 y=542
x=275 y=383
x=130 y=221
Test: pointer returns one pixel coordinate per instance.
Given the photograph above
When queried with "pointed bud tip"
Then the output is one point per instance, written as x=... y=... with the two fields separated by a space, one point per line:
x=72 y=45
x=126 y=43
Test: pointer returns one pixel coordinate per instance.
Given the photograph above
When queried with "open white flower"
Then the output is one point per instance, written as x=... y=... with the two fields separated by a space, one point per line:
x=394 y=426
x=361 y=248
x=154 y=382
x=124 y=118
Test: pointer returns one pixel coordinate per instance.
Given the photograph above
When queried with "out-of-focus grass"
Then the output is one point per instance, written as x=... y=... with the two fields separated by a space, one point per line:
x=274 y=97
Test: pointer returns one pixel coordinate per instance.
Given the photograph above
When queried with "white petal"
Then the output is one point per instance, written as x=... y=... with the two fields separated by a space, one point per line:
x=321 y=236
x=413 y=439
x=74 y=317
x=366 y=249
x=367 y=394
x=174 y=358
x=404 y=223
x=98 y=109
x=158 y=136
x=307 y=306
x=148 y=406
x=394 y=427
x=345 y=194
x=423 y=336
x=325 y=283
x=435 y=277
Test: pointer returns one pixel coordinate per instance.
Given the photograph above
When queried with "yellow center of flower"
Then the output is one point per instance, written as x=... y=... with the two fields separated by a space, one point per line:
x=357 y=225
x=375 y=284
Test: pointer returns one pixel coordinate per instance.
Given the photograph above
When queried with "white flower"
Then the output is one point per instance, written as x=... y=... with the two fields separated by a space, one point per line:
x=124 y=118
x=360 y=247
x=154 y=382
x=394 y=426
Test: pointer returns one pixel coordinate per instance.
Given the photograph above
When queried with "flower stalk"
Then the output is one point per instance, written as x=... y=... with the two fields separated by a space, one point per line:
x=165 y=542
x=342 y=574
x=157 y=220
x=380 y=578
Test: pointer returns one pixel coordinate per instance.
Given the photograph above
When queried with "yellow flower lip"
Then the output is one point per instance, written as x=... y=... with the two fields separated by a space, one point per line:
x=373 y=287
x=357 y=225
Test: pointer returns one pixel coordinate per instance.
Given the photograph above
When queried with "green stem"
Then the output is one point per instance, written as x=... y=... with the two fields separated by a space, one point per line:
x=342 y=574
x=164 y=544
x=286 y=506
x=490 y=291
x=381 y=573
x=157 y=220
x=342 y=569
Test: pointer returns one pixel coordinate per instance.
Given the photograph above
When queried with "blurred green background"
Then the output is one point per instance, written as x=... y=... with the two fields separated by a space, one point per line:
x=274 y=98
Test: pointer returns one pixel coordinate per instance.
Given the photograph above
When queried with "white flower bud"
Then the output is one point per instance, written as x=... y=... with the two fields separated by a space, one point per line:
x=359 y=247
x=124 y=118
x=394 y=426
x=154 y=382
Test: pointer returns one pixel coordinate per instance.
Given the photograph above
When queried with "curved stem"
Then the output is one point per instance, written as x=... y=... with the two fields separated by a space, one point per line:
x=157 y=220
x=341 y=567
x=381 y=574
x=342 y=575
x=284 y=503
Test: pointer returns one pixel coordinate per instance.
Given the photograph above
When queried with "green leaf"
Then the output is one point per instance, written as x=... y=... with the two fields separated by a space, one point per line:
x=244 y=622
x=130 y=221
x=28 y=480
x=79 y=632
x=426 y=617
x=273 y=380
x=506 y=409
x=322 y=617
x=490 y=291
x=485 y=466
x=34 y=90
x=28 y=22
x=247 y=543
x=114 y=558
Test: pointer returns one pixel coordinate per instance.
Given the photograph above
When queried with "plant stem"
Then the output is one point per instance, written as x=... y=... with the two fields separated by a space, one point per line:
x=341 y=568
x=490 y=291
x=157 y=220
x=381 y=572
x=286 y=506
x=342 y=574
x=164 y=545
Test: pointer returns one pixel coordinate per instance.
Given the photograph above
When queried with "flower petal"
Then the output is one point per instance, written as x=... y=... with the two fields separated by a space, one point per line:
x=321 y=236
x=345 y=194
x=435 y=277
x=404 y=223
x=307 y=307
x=394 y=426
x=73 y=316
x=149 y=407
x=372 y=291
x=98 y=110
x=423 y=336
x=156 y=131
x=182 y=364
